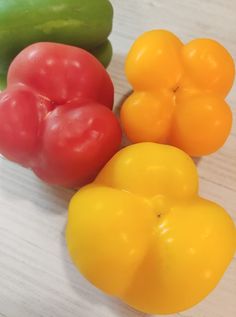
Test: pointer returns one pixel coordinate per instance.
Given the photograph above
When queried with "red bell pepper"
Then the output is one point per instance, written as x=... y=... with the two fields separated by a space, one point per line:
x=55 y=115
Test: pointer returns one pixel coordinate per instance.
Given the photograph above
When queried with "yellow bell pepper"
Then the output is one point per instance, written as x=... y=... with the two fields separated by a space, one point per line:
x=141 y=232
x=179 y=92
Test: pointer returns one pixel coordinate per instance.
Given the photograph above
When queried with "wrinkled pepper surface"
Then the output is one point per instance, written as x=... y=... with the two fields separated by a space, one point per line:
x=82 y=23
x=55 y=115
x=141 y=232
x=179 y=92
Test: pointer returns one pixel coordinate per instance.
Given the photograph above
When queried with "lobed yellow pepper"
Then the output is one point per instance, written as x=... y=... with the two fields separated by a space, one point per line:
x=179 y=92
x=141 y=232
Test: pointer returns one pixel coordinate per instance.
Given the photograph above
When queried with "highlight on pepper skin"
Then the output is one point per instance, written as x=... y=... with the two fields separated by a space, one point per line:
x=142 y=233
x=179 y=92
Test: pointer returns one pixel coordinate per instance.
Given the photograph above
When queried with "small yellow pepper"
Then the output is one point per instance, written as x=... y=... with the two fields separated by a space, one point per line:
x=179 y=92
x=141 y=232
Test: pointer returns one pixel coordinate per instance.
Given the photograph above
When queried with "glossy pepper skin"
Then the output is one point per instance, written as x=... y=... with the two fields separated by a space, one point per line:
x=82 y=23
x=141 y=232
x=179 y=92
x=55 y=115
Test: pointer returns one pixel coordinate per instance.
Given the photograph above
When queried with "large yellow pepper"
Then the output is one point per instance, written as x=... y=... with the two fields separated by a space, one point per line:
x=141 y=232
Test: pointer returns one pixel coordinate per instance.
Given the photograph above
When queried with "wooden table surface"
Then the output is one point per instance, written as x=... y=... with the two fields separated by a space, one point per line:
x=37 y=278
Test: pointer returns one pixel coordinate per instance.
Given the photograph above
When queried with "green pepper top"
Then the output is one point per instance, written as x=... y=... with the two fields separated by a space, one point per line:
x=82 y=23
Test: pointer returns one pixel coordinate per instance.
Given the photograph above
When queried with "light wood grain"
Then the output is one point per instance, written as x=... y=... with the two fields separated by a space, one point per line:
x=37 y=278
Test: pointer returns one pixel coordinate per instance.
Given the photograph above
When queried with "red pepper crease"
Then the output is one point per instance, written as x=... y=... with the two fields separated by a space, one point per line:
x=55 y=115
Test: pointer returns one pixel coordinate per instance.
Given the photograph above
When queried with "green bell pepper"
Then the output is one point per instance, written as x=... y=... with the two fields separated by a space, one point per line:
x=83 y=23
